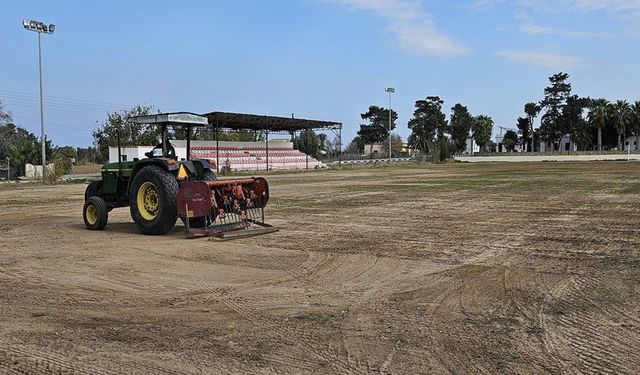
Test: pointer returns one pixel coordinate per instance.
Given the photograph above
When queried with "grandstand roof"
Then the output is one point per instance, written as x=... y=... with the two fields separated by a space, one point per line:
x=244 y=121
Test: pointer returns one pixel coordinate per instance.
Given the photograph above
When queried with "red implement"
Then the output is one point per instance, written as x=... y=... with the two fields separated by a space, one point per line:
x=225 y=206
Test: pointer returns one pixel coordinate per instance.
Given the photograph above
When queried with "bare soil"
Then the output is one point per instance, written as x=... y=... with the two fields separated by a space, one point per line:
x=450 y=269
x=86 y=168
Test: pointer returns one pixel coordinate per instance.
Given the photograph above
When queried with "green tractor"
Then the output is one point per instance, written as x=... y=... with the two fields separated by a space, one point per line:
x=160 y=188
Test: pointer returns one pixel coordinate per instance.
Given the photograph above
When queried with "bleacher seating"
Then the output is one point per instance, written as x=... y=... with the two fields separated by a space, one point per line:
x=254 y=157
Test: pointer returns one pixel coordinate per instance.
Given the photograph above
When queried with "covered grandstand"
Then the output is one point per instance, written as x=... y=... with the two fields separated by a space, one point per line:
x=265 y=155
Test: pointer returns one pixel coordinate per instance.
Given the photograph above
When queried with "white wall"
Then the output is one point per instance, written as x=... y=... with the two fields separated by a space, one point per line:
x=630 y=143
x=35 y=171
x=472 y=147
x=139 y=152
x=563 y=145
x=371 y=149
x=548 y=157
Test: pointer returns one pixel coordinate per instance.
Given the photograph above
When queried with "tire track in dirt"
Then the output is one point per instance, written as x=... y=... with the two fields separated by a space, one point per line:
x=585 y=326
x=293 y=337
x=338 y=272
x=533 y=313
x=21 y=359
x=347 y=273
x=26 y=360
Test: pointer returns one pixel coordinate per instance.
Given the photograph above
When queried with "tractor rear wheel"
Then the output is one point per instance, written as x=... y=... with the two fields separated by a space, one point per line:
x=152 y=200
x=208 y=175
x=95 y=213
x=93 y=190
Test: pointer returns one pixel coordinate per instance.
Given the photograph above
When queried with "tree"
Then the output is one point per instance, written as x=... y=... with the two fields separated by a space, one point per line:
x=356 y=146
x=524 y=128
x=428 y=122
x=323 y=143
x=635 y=109
x=482 y=128
x=5 y=116
x=555 y=97
x=87 y=155
x=460 y=125
x=573 y=121
x=621 y=111
x=510 y=140
x=11 y=134
x=64 y=157
x=130 y=134
x=532 y=110
x=598 y=113
x=377 y=130
x=23 y=153
x=308 y=142
x=396 y=145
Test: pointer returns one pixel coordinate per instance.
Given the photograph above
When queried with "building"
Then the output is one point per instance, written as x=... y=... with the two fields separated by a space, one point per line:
x=374 y=149
x=471 y=147
x=565 y=145
x=631 y=143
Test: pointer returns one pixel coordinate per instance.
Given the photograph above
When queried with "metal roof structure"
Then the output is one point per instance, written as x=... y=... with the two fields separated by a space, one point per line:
x=243 y=121
x=174 y=118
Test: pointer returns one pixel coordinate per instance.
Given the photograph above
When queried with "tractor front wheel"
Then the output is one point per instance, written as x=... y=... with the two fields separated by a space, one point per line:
x=95 y=213
x=153 y=200
x=93 y=189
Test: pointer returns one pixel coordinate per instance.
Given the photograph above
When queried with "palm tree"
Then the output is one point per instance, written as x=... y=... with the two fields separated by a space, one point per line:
x=621 y=113
x=532 y=110
x=598 y=115
x=21 y=154
x=635 y=109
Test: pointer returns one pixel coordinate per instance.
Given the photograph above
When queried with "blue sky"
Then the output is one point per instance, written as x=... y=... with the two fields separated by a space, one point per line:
x=321 y=59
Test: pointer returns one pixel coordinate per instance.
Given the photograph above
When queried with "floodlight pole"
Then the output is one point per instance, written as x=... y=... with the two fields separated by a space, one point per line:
x=44 y=155
x=40 y=28
x=390 y=90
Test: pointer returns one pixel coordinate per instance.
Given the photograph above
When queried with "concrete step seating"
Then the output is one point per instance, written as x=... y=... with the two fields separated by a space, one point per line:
x=255 y=158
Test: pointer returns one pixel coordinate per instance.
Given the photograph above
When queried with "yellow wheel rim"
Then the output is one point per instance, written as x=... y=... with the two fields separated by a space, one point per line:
x=92 y=214
x=148 y=201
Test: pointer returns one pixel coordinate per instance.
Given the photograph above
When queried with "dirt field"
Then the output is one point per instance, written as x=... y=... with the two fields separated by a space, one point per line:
x=460 y=268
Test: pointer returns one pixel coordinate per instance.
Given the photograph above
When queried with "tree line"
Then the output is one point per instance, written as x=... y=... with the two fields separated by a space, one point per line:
x=21 y=146
x=431 y=131
x=591 y=123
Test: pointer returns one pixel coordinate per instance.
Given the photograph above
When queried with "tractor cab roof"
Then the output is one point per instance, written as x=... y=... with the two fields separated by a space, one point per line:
x=171 y=119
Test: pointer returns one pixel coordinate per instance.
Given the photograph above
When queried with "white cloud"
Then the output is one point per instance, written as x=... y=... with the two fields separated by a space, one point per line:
x=411 y=27
x=546 y=60
x=485 y=4
x=611 y=5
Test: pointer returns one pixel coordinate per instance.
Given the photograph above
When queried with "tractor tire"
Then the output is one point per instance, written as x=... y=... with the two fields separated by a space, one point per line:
x=208 y=175
x=95 y=213
x=201 y=222
x=152 y=200
x=93 y=190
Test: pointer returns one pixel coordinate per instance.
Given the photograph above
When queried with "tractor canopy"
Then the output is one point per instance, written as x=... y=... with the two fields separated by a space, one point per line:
x=186 y=120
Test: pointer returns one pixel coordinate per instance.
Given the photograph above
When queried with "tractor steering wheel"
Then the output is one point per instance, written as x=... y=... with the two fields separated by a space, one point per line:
x=171 y=151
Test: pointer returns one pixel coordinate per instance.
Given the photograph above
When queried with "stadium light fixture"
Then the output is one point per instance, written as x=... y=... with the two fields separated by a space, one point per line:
x=40 y=28
x=390 y=90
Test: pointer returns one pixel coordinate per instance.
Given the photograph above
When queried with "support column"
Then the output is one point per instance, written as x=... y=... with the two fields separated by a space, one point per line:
x=188 y=142
x=306 y=148
x=266 y=142
x=217 y=146
x=340 y=147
